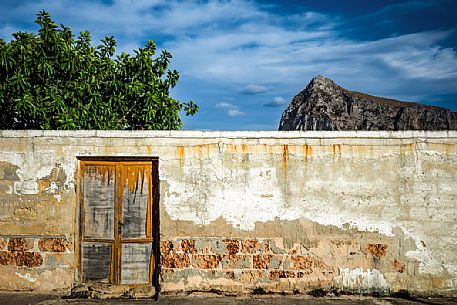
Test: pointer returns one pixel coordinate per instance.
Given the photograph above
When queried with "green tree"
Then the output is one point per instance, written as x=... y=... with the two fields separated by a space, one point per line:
x=51 y=80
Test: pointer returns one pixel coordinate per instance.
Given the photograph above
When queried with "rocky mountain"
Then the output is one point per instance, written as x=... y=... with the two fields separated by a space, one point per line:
x=324 y=105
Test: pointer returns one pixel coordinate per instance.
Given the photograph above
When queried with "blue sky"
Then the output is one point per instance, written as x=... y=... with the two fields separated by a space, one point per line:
x=243 y=61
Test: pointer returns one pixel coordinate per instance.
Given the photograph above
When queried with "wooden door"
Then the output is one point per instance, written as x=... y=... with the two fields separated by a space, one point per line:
x=116 y=224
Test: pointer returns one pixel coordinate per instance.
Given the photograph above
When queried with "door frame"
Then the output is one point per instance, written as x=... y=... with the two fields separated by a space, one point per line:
x=155 y=217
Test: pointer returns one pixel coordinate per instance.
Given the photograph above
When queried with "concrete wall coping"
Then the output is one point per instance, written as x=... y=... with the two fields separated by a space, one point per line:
x=227 y=134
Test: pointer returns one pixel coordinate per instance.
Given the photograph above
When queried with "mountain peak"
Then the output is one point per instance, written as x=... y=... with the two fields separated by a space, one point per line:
x=323 y=105
x=321 y=80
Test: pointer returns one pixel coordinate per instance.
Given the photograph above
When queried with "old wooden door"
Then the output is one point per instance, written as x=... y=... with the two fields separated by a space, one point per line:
x=117 y=222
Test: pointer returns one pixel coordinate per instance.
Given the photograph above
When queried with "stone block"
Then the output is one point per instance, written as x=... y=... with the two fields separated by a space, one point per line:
x=188 y=246
x=6 y=187
x=299 y=262
x=26 y=187
x=7 y=258
x=411 y=268
x=8 y=171
x=175 y=260
x=252 y=276
x=232 y=246
x=303 y=273
x=210 y=246
x=170 y=260
x=166 y=246
x=236 y=261
x=20 y=244
x=206 y=261
x=218 y=247
x=267 y=261
x=28 y=259
x=398 y=266
x=254 y=246
x=21 y=258
x=280 y=274
x=57 y=260
x=52 y=244
x=203 y=246
x=250 y=246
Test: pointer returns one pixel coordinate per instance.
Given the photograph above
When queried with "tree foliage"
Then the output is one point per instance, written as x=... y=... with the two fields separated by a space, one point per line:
x=51 y=80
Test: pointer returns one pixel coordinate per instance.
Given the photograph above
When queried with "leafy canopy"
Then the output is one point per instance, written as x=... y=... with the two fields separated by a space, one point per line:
x=53 y=81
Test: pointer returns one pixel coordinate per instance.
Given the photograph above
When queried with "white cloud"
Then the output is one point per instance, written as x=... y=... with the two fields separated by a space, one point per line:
x=276 y=102
x=254 y=89
x=230 y=109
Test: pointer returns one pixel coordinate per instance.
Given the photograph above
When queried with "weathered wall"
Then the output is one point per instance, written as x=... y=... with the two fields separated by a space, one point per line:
x=285 y=211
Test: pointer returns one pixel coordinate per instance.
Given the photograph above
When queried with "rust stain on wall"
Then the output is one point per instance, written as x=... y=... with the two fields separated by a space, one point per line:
x=448 y=148
x=244 y=149
x=232 y=148
x=285 y=157
x=307 y=151
x=406 y=148
x=336 y=149
x=181 y=155
x=361 y=150
x=200 y=152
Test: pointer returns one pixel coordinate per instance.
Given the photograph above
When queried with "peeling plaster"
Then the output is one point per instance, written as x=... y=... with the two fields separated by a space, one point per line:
x=26 y=276
x=360 y=280
x=34 y=166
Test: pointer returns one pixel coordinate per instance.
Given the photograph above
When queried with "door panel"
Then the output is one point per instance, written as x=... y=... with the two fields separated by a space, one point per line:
x=136 y=259
x=97 y=261
x=99 y=186
x=116 y=222
x=136 y=200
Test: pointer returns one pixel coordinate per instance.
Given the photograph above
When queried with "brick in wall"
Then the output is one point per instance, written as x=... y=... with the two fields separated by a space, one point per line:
x=52 y=244
x=20 y=244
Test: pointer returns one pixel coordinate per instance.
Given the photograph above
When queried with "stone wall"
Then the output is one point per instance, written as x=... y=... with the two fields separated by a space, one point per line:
x=239 y=211
x=34 y=263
